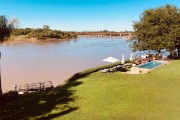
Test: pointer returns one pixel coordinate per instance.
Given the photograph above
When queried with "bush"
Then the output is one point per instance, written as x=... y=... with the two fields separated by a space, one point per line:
x=128 y=61
x=43 y=33
x=7 y=97
x=91 y=70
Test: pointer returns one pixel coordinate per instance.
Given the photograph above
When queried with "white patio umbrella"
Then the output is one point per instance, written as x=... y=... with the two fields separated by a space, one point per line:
x=111 y=59
x=131 y=57
x=122 y=61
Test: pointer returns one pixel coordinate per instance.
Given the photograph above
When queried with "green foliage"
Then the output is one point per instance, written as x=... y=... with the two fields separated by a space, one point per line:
x=127 y=61
x=157 y=29
x=105 y=31
x=45 y=27
x=21 y=31
x=5 y=28
x=8 y=97
x=43 y=33
x=91 y=70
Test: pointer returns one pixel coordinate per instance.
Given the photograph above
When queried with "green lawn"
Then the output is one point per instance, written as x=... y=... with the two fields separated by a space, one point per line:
x=118 y=96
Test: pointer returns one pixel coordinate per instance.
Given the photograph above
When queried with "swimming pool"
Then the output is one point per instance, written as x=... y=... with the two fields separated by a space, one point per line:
x=151 y=65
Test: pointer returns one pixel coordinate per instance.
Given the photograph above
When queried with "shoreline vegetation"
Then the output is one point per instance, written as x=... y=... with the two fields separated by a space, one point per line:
x=45 y=33
x=31 y=39
x=40 y=34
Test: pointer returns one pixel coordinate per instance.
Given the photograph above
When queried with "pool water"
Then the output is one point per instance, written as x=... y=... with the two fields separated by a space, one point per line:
x=151 y=65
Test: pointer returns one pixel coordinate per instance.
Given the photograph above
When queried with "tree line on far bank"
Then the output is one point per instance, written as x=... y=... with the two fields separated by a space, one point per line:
x=158 y=29
x=7 y=29
x=42 y=33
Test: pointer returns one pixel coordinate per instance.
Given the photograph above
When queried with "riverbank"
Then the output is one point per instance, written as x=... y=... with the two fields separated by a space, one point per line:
x=31 y=39
x=107 y=96
x=34 y=39
x=22 y=38
x=55 y=60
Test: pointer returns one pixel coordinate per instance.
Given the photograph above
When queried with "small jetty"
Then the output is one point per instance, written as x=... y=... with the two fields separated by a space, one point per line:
x=35 y=87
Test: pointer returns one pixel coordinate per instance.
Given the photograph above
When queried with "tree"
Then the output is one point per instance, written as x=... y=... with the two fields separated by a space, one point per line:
x=105 y=31
x=158 y=29
x=45 y=27
x=5 y=31
x=5 y=28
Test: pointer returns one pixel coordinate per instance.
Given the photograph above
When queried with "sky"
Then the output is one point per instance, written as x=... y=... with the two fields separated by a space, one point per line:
x=79 y=15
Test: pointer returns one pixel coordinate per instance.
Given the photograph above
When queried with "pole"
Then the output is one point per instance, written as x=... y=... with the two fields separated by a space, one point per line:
x=134 y=67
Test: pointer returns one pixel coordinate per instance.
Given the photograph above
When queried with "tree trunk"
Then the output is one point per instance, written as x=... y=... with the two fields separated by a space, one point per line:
x=0 y=79
x=0 y=87
x=178 y=53
x=1 y=38
x=172 y=54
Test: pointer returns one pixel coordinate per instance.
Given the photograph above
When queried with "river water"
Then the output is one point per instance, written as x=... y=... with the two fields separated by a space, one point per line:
x=52 y=60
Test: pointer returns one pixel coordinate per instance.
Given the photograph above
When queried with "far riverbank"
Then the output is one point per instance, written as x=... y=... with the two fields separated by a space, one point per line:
x=32 y=39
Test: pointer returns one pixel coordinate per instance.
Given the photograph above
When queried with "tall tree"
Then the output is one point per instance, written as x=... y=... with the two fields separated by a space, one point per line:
x=157 y=29
x=5 y=31
x=5 y=28
x=45 y=27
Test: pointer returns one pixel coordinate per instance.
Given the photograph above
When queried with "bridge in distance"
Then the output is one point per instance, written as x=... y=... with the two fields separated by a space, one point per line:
x=105 y=34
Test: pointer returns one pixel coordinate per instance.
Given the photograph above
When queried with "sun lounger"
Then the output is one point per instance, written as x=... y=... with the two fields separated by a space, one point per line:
x=128 y=64
x=104 y=70
x=119 y=66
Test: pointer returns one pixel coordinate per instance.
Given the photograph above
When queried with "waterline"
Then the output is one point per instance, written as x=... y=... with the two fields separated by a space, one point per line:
x=28 y=62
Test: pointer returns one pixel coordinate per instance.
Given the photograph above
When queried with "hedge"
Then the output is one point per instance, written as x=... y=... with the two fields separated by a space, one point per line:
x=91 y=70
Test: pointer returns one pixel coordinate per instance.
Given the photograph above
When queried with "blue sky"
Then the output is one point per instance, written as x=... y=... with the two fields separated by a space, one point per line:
x=79 y=15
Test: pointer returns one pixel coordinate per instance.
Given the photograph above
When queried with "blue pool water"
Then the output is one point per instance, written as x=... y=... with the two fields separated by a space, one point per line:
x=151 y=65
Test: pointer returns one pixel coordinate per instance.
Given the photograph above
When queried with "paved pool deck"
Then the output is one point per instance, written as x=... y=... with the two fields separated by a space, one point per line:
x=137 y=70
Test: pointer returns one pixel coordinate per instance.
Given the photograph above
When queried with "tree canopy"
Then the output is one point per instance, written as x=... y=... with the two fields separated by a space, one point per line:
x=43 y=33
x=5 y=31
x=5 y=28
x=46 y=27
x=158 y=29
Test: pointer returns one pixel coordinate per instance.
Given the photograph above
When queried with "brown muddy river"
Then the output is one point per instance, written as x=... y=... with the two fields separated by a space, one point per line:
x=50 y=60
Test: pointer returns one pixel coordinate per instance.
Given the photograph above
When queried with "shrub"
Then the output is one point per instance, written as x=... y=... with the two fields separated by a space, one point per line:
x=43 y=33
x=91 y=70
x=7 y=97
x=128 y=61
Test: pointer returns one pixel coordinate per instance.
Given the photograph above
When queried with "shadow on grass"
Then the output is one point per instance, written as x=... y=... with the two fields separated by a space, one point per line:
x=58 y=114
x=42 y=105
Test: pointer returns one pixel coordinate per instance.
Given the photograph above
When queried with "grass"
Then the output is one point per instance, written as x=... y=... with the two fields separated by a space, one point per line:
x=152 y=96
